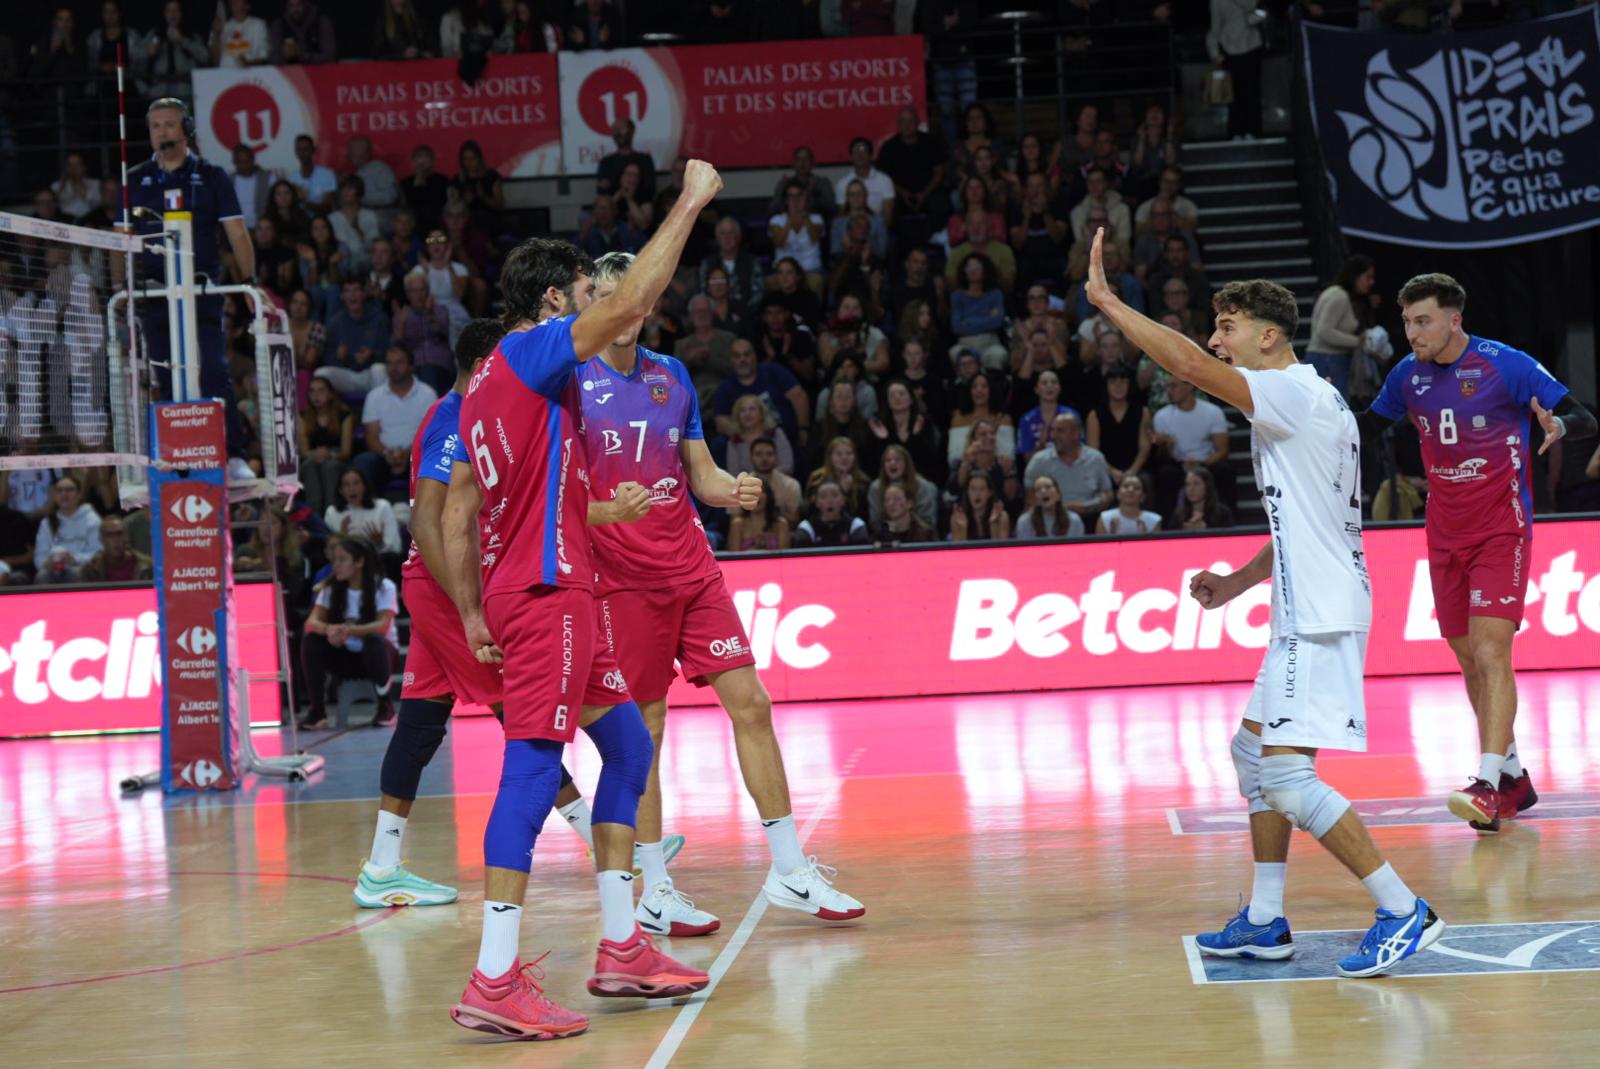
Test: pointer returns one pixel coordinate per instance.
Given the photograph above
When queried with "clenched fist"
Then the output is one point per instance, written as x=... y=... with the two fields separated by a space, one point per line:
x=748 y=489
x=701 y=182
x=632 y=502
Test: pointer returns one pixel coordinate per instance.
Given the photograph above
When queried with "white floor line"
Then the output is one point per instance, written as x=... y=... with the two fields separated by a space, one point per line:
x=680 y=1027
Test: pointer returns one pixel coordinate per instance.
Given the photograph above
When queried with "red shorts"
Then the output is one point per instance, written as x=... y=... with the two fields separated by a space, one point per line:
x=556 y=660
x=1488 y=579
x=439 y=663
x=695 y=623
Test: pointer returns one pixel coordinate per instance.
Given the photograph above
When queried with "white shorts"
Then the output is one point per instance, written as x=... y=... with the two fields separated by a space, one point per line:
x=1309 y=692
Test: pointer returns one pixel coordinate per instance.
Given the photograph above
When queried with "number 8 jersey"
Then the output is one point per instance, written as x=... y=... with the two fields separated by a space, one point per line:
x=519 y=431
x=1472 y=417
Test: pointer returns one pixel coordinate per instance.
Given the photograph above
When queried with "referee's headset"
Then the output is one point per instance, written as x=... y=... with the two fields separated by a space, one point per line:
x=181 y=107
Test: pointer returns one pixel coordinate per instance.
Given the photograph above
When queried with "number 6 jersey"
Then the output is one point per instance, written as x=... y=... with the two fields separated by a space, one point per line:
x=1472 y=417
x=519 y=431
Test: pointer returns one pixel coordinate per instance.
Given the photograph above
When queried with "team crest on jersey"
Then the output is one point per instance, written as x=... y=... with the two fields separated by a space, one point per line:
x=1469 y=387
x=658 y=393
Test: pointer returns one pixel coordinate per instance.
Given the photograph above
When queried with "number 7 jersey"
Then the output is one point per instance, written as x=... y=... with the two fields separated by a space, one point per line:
x=633 y=427
x=1472 y=417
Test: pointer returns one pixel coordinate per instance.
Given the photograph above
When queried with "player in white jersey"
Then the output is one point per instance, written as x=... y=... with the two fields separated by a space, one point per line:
x=1308 y=695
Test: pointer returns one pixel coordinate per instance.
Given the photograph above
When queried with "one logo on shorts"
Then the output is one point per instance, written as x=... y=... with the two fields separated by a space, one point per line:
x=613 y=680
x=658 y=393
x=1508 y=599
x=559 y=721
x=1358 y=729
x=728 y=647
x=1282 y=720
x=1478 y=600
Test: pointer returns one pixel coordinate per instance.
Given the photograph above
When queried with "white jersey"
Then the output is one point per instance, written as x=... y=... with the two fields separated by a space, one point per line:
x=1307 y=457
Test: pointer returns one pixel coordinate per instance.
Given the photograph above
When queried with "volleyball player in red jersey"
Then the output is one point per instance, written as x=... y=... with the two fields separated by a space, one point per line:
x=440 y=666
x=525 y=590
x=663 y=598
x=1470 y=400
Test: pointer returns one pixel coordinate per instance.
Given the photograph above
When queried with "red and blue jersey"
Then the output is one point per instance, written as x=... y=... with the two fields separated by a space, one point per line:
x=1473 y=419
x=523 y=443
x=632 y=427
x=432 y=452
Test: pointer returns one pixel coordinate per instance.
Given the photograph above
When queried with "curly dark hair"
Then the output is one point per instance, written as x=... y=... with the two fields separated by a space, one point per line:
x=532 y=268
x=1261 y=300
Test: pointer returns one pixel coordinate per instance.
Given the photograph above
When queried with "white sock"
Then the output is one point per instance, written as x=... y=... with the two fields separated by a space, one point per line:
x=652 y=863
x=1489 y=766
x=1266 y=897
x=784 y=842
x=616 y=905
x=1513 y=766
x=386 y=841
x=502 y=929
x=577 y=814
x=1390 y=891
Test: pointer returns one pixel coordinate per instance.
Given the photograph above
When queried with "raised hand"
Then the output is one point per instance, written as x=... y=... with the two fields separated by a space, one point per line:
x=701 y=182
x=1094 y=287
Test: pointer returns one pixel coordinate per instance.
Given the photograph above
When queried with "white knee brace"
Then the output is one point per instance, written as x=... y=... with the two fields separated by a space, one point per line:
x=1247 y=762
x=1290 y=785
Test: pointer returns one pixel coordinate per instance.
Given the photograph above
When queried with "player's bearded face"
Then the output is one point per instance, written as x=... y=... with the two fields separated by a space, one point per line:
x=1428 y=327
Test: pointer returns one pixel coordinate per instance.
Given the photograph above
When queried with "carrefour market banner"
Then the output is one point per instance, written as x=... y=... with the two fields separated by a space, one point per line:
x=739 y=106
x=1467 y=140
x=511 y=110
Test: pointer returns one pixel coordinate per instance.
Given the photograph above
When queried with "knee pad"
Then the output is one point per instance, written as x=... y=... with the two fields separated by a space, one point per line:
x=529 y=780
x=417 y=735
x=1247 y=763
x=625 y=754
x=1290 y=785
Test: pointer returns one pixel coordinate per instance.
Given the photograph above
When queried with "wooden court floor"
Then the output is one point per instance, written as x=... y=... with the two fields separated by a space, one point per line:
x=1031 y=865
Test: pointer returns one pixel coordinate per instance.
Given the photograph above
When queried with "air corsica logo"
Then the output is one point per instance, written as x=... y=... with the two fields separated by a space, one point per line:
x=1468 y=135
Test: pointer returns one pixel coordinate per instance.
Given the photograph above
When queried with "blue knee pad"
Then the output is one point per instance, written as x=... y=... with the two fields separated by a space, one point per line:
x=417 y=735
x=1290 y=785
x=625 y=754
x=529 y=780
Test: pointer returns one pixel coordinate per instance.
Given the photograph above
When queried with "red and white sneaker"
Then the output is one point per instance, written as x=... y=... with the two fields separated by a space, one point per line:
x=634 y=968
x=1479 y=805
x=1516 y=795
x=665 y=910
x=809 y=890
x=515 y=1005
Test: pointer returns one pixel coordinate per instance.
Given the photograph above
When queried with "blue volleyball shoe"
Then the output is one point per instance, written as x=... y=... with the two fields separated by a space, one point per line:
x=1241 y=939
x=1392 y=940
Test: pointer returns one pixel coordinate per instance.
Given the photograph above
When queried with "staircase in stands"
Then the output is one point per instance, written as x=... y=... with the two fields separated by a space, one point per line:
x=1252 y=225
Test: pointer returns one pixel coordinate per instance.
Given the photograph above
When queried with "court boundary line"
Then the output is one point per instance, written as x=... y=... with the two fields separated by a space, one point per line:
x=679 y=1029
x=312 y=940
x=1201 y=980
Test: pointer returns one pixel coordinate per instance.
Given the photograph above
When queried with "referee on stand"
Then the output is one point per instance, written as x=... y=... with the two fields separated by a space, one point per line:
x=208 y=195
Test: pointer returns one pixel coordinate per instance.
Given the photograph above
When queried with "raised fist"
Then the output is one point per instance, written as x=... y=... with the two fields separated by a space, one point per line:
x=701 y=181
